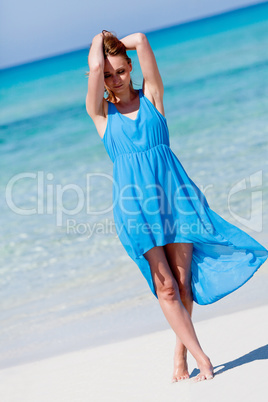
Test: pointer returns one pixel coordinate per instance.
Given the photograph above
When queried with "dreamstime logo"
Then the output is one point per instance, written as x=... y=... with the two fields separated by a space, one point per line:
x=132 y=200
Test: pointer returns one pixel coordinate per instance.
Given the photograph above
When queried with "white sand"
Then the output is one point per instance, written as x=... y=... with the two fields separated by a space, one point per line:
x=140 y=369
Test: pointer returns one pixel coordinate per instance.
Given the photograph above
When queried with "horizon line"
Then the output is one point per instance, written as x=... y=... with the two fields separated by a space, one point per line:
x=161 y=28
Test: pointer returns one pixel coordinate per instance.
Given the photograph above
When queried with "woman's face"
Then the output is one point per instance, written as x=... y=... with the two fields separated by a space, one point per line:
x=117 y=73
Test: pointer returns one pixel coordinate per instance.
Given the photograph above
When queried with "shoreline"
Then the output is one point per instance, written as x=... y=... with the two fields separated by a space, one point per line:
x=121 y=323
x=140 y=368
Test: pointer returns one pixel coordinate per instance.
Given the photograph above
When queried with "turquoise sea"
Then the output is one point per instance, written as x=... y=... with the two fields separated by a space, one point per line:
x=66 y=281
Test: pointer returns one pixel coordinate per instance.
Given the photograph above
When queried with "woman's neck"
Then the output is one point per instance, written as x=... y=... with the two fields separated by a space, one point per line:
x=126 y=98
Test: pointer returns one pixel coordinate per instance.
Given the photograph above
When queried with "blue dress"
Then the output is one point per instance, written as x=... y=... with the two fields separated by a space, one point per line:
x=155 y=203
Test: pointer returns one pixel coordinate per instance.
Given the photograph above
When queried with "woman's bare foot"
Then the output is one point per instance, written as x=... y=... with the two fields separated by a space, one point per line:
x=180 y=367
x=206 y=370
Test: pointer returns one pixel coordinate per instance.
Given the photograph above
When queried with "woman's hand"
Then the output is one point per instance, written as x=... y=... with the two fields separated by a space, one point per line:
x=152 y=83
x=107 y=33
x=131 y=41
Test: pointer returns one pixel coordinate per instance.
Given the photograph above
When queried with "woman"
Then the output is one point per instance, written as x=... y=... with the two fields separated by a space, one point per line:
x=162 y=218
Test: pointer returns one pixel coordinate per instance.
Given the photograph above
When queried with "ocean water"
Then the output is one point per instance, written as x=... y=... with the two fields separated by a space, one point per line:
x=65 y=280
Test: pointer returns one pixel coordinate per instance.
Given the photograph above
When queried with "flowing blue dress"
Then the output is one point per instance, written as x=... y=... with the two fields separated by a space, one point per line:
x=155 y=203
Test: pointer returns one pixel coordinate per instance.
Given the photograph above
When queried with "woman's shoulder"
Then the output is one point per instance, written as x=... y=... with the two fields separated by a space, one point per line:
x=105 y=105
x=155 y=101
x=100 y=120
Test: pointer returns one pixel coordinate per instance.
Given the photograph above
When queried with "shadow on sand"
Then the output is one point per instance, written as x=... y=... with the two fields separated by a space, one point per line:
x=257 y=354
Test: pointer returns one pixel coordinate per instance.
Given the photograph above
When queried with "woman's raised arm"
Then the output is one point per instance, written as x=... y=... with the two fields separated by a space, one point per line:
x=94 y=99
x=152 y=78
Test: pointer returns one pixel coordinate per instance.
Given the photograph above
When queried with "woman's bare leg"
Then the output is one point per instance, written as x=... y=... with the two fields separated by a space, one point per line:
x=167 y=290
x=179 y=257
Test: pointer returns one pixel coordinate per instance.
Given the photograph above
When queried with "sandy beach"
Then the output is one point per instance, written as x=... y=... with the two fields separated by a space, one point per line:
x=140 y=369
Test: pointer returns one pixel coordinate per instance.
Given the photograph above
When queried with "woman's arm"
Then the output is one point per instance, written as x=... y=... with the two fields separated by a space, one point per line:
x=94 y=99
x=152 y=78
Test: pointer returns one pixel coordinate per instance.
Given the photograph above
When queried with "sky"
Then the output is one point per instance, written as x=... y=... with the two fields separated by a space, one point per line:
x=34 y=29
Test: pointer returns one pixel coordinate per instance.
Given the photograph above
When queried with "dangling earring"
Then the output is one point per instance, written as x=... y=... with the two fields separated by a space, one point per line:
x=106 y=92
